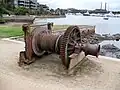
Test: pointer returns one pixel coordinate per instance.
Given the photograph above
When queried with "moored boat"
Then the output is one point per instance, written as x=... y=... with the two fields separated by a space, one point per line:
x=105 y=18
x=86 y=14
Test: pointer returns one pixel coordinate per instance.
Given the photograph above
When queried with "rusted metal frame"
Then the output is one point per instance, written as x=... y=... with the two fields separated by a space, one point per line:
x=41 y=25
x=28 y=44
x=49 y=26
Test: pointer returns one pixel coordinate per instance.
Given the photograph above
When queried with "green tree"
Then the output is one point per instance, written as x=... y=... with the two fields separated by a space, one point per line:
x=6 y=7
x=1 y=11
x=52 y=11
x=41 y=11
x=21 y=11
x=8 y=4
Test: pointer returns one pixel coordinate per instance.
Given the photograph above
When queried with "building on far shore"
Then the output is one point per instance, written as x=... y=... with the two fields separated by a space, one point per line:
x=32 y=4
x=43 y=6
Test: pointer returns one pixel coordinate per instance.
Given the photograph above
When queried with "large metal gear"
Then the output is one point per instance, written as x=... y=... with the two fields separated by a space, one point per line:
x=69 y=40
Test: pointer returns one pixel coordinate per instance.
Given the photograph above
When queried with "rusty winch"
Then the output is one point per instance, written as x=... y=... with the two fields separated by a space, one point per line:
x=41 y=40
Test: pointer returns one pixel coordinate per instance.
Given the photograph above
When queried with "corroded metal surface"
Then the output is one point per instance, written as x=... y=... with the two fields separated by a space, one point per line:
x=91 y=49
x=41 y=40
x=70 y=39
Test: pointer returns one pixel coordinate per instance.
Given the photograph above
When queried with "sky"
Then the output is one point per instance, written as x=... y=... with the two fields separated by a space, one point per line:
x=82 y=4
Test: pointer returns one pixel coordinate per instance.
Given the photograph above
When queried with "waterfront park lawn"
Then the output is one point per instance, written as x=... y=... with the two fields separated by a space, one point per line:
x=13 y=31
x=10 y=31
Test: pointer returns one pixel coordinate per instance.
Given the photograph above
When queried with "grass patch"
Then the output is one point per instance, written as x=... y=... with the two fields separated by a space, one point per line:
x=13 y=31
x=60 y=27
x=9 y=31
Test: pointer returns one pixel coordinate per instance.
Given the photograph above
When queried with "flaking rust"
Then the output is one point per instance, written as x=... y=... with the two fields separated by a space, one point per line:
x=68 y=45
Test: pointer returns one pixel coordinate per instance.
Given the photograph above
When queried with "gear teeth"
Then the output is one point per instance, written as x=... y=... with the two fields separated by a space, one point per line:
x=63 y=45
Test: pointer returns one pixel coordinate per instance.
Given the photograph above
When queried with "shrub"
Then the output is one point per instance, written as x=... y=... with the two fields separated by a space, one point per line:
x=21 y=11
x=2 y=21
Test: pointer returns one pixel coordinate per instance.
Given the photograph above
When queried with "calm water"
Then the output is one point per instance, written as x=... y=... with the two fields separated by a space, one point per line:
x=111 y=26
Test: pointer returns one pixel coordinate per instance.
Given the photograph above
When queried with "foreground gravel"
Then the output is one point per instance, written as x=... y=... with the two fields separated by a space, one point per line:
x=48 y=73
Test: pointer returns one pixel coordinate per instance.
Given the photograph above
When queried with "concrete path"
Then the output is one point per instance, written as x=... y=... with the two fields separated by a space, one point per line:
x=48 y=73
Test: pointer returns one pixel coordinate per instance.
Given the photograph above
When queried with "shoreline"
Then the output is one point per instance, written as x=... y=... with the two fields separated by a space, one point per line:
x=29 y=19
x=51 y=16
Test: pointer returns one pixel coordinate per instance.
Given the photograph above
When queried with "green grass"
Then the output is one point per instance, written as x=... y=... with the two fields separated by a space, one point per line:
x=9 y=31
x=60 y=27
x=13 y=31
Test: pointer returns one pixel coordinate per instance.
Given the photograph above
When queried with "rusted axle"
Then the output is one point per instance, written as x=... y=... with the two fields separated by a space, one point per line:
x=40 y=40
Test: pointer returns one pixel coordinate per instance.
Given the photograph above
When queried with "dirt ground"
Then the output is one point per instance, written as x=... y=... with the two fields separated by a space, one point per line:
x=48 y=72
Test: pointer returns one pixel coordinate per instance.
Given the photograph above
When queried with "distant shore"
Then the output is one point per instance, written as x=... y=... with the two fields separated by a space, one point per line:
x=28 y=19
x=51 y=16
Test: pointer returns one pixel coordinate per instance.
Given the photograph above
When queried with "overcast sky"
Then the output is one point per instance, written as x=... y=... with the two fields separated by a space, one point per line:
x=81 y=4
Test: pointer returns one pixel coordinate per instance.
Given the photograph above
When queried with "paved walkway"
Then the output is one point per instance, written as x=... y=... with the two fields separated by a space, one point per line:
x=48 y=73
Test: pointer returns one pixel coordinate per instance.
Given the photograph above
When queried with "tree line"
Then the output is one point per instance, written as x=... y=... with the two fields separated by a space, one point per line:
x=7 y=7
